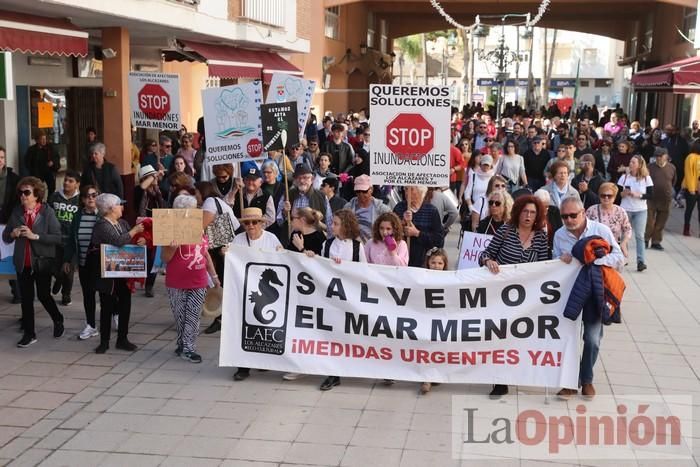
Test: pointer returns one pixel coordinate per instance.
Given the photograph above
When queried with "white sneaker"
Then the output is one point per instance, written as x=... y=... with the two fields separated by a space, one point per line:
x=116 y=322
x=292 y=376
x=88 y=332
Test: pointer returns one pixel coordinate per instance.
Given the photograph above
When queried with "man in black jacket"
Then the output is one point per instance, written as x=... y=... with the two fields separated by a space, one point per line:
x=341 y=152
x=43 y=161
x=8 y=200
x=535 y=162
x=103 y=174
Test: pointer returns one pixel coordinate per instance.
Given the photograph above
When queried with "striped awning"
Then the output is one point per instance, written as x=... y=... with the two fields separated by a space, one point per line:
x=40 y=35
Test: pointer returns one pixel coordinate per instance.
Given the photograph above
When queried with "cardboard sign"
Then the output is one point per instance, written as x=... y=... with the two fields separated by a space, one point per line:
x=287 y=88
x=177 y=226
x=472 y=246
x=232 y=123
x=127 y=261
x=280 y=125
x=410 y=135
x=155 y=100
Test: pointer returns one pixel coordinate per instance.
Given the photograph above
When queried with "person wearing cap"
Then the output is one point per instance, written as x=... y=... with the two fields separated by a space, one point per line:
x=255 y=197
x=366 y=207
x=188 y=272
x=115 y=296
x=296 y=155
x=255 y=237
x=536 y=160
x=302 y=195
x=329 y=187
x=663 y=175
x=341 y=152
x=102 y=174
x=477 y=185
x=147 y=197
x=35 y=231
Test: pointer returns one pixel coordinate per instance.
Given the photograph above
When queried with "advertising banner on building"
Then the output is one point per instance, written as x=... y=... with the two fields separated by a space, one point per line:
x=232 y=123
x=288 y=88
x=410 y=135
x=284 y=311
x=155 y=100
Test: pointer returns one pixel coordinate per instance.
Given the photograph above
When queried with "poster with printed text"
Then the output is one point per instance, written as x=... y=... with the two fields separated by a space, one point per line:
x=232 y=123
x=410 y=135
x=279 y=123
x=155 y=100
x=288 y=88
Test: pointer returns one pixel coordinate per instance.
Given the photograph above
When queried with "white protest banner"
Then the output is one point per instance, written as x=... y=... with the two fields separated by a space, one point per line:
x=288 y=88
x=155 y=100
x=284 y=311
x=472 y=245
x=410 y=135
x=232 y=123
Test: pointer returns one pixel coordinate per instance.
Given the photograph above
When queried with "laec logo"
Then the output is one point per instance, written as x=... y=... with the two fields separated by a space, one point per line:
x=265 y=306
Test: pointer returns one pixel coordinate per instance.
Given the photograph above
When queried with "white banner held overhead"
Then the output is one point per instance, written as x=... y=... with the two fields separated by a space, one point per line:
x=472 y=245
x=410 y=135
x=232 y=123
x=284 y=311
x=155 y=100
x=288 y=88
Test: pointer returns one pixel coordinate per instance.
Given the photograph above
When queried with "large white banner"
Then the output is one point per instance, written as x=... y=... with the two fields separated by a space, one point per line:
x=155 y=100
x=288 y=88
x=232 y=123
x=284 y=311
x=410 y=135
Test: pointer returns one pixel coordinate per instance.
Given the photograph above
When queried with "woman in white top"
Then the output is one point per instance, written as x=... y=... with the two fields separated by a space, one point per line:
x=512 y=167
x=478 y=183
x=636 y=188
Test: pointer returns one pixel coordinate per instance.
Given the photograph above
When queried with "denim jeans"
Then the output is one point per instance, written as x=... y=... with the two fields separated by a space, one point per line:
x=638 y=219
x=592 y=333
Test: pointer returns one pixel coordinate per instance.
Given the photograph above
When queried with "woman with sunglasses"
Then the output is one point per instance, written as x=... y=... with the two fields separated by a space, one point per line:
x=500 y=204
x=480 y=208
x=612 y=215
x=602 y=159
x=36 y=232
x=522 y=240
x=76 y=252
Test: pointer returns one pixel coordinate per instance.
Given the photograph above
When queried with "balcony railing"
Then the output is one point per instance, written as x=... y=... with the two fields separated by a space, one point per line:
x=269 y=12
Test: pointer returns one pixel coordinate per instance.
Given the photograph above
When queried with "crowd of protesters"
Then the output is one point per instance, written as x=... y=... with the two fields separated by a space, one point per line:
x=537 y=182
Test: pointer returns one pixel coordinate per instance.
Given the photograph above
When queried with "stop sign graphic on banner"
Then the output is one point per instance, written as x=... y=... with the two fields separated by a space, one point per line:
x=410 y=135
x=154 y=101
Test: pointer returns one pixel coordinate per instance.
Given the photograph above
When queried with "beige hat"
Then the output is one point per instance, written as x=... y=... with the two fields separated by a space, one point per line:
x=212 y=303
x=251 y=214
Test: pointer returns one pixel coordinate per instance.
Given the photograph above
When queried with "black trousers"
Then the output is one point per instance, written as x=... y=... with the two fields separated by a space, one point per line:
x=117 y=302
x=690 y=202
x=88 y=282
x=150 y=259
x=42 y=281
x=66 y=280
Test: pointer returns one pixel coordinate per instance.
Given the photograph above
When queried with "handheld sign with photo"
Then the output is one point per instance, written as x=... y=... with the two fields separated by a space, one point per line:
x=472 y=245
x=232 y=123
x=123 y=262
x=155 y=100
x=410 y=135
x=288 y=88
x=280 y=127
x=177 y=226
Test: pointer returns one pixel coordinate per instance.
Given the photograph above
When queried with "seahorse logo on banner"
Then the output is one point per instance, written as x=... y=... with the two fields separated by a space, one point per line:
x=265 y=305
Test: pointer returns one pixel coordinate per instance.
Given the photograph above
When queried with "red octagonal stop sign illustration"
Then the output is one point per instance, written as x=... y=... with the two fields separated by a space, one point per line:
x=154 y=101
x=410 y=135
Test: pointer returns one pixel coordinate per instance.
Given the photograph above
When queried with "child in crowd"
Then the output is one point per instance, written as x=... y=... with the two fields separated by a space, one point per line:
x=435 y=259
x=308 y=232
x=387 y=245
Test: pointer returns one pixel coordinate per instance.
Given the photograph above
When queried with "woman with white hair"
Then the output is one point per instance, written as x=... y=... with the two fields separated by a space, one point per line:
x=104 y=175
x=554 y=221
x=188 y=270
x=115 y=296
x=422 y=224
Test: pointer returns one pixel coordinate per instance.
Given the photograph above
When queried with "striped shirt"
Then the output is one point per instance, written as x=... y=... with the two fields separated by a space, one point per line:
x=505 y=247
x=87 y=223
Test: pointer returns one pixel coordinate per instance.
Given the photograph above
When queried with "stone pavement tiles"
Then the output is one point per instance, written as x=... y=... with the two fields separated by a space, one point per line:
x=63 y=405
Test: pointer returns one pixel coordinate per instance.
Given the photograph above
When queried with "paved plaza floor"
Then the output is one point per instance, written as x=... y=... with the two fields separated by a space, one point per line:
x=63 y=405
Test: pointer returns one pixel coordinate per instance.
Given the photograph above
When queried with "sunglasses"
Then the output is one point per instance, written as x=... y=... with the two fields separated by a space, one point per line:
x=167 y=145
x=313 y=144
x=25 y=192
x=607 y=195
x=154 y=145
x=250 y=222
x=494 y=203
x=499 y=185
x=488 y=140
x=91 y=195
x=573 y=215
